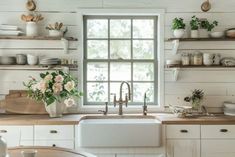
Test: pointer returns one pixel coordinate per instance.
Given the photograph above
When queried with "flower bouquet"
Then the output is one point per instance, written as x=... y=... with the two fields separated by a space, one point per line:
x=56 y=89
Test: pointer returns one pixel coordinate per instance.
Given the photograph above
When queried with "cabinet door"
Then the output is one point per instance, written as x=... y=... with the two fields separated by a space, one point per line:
x=183 y=148
x=55 y=143
x=218 y=148
x=125 y=155
x=105 y=155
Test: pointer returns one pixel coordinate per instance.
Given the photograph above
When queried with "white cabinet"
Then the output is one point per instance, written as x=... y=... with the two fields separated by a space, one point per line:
x=218 y=141
x=54 y=135
x=183 y=140
x=17 y=135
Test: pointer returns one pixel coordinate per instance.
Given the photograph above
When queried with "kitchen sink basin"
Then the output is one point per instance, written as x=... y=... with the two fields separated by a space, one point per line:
x=119 y=132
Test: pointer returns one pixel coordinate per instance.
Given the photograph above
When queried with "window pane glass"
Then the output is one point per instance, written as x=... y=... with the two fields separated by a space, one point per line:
x=97 y=28
x=140 y=88
x=143 y=71
x=143 y=28
x=120 y=28
x=120 y=71
x=97 y=71
x=120 y=49
x=97 y=92
x=97 y=49
x=143 y=49
x=115 y=89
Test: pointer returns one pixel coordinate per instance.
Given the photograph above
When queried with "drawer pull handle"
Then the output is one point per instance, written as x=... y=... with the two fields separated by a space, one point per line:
x=54 y=145
x=184 y=131
x=53 y=132
x=3 y=131
x=223 y=130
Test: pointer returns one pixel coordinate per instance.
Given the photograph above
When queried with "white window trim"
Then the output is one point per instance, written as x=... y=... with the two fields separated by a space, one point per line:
x=130 y=12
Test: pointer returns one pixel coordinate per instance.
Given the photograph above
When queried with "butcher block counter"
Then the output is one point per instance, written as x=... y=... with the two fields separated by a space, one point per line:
x=74 y=119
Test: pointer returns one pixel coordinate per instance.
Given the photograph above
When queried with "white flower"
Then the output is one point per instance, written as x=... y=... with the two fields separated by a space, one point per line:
x=57 y=87
x=69 y=102
x=48 y=77
x=69 y=86
x=59 y=78
x=35 y=86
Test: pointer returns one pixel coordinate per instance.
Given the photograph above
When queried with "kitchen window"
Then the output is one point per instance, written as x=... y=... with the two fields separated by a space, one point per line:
x=116 y=49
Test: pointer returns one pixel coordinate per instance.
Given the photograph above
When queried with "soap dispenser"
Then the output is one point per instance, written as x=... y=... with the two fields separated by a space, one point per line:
x=3 y=147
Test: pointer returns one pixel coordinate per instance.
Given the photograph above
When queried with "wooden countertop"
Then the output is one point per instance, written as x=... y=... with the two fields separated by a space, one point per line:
x=74 y=119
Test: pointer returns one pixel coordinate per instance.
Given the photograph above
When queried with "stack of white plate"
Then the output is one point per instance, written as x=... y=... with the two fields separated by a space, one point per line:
x=229 y=108
x=50 y=61
x=8 y=30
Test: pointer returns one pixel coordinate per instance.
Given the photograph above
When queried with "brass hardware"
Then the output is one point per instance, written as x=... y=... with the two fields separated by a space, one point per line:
x=53 y=132
x=184 y=131
x=3 y=131
x=54 y=145
x=223 y=130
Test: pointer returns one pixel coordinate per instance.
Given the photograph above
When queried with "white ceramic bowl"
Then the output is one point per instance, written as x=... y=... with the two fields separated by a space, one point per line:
x=229 y=105
x=173 y=62
x=217 y=34
x=55 y=33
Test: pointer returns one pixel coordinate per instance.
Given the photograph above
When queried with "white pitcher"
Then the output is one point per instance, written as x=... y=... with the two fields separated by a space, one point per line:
x=3 y=147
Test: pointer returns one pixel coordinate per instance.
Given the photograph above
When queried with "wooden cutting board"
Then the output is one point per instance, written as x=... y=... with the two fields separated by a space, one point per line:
x=18 y=102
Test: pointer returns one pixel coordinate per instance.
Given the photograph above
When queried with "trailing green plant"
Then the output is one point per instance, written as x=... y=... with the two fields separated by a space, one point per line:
x=205 y=24
x=195 y=23
x=178 y=23
x=53 y=86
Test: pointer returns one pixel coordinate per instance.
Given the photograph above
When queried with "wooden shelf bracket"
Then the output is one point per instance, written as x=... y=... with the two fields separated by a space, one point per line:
x=65 y=44
x=175 y=73
x=175 y=46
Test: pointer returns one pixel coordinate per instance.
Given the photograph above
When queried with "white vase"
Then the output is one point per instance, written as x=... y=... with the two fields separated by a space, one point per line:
x=178 y=33
x=3 y=147
x=56 y=109
x=203 y=33
x=31 y=29
x=55 y=33
x=194 y=33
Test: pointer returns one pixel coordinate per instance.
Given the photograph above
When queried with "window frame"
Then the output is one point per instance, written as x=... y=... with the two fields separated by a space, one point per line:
x=160 y=13
x=131 y=60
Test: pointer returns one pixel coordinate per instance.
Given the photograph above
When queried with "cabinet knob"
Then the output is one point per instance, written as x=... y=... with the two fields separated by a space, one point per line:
x=53 y=132
x=3 y=131
x=54 y=145
x=223 y=130
x=184 y=131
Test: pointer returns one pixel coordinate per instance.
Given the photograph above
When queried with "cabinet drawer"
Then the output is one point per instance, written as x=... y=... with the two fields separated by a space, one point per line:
x=54 y=132
x=218 y=131
x=182 y=131
x=26 y=143
x=56 y=143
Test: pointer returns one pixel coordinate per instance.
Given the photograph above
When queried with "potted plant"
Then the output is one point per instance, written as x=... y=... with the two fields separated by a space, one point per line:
x=195 y=24
x=207 y=27
x=55 y=30
x=56 y=89
x=178 y=27
x=196 y=98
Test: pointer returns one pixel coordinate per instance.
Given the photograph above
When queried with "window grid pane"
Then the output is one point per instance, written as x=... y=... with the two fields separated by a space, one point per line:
x=122 y=60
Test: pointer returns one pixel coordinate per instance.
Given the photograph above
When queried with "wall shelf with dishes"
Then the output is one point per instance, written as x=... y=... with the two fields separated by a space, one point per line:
x=70 y=67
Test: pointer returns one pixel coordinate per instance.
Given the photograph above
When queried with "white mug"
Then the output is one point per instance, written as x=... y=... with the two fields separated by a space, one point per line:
x=32 y=59
x=207 y=59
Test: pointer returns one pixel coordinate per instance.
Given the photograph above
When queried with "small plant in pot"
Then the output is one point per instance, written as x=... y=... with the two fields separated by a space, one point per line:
x=178 y=27
x=194 y=24
x=55 y=30
x=207 y=27
x=195 y=99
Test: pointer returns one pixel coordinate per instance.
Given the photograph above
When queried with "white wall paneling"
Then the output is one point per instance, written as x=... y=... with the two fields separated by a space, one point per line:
x=219 y=84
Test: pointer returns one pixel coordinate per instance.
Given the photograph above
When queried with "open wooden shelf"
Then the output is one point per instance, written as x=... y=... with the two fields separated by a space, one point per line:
x=197 y=66
x=201 y=39
x=37 y=38
x=37 y=67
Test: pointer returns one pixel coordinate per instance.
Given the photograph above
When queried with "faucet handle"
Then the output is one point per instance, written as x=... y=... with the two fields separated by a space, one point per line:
x=126 y=99
x=114 y=99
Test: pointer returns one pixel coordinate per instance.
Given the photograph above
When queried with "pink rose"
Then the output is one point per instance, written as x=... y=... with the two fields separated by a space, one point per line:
x=57 y=87
x=69 y=102
x=42 y=86
x=48 y=77
x=59 y=78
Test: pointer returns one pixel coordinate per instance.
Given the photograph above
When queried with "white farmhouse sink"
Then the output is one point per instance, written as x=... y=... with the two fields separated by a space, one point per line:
x=123 y=132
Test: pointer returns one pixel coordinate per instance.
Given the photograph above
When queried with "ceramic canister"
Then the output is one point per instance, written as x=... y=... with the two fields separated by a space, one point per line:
x=207 y=59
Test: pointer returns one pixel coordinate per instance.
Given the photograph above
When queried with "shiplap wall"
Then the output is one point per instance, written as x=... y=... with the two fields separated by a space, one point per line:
x=219 y=85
